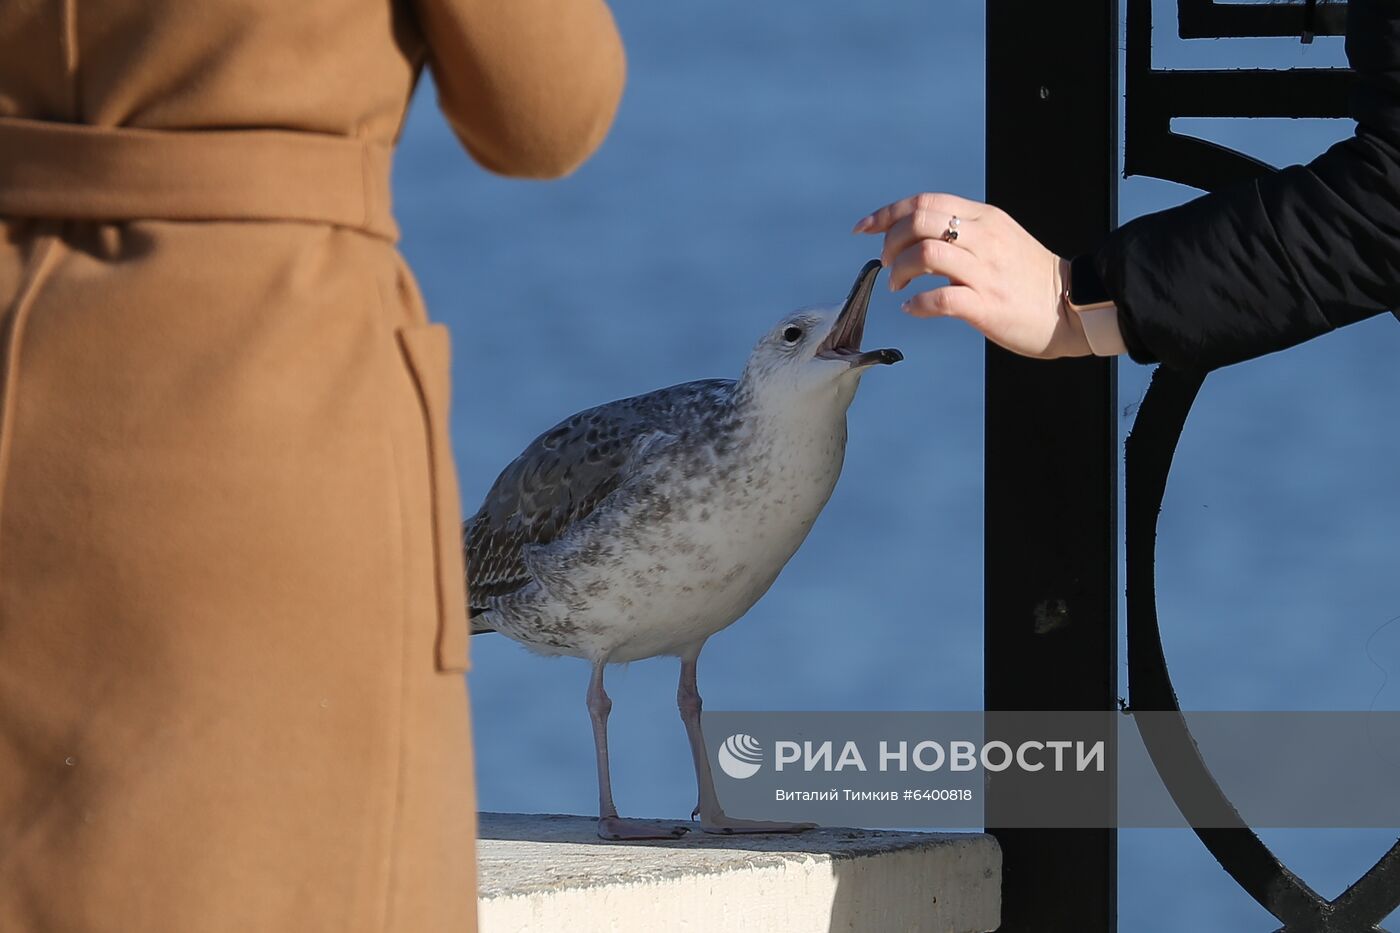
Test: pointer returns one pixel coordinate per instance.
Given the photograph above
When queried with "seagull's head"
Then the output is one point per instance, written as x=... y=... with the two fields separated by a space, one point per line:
x=815 y=352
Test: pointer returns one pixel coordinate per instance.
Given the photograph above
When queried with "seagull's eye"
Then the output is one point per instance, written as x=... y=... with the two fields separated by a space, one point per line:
x=792 y=334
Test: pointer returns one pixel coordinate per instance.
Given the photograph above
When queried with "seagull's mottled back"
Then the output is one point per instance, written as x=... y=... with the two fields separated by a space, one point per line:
x=566 y=472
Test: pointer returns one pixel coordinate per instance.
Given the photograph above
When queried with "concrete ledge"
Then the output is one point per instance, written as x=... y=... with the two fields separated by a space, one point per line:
x=546 y=874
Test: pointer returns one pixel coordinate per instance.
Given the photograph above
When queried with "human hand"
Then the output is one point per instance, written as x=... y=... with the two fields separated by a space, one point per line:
x=1000 y=279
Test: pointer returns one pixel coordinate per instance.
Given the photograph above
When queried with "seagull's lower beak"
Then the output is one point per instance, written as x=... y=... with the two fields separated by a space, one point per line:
x=886 y=357
x=843 y=343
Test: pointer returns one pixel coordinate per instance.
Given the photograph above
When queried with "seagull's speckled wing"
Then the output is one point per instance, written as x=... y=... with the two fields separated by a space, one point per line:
x=561 y=477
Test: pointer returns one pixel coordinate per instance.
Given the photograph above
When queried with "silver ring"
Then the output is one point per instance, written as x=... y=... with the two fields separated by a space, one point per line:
x=951 y=233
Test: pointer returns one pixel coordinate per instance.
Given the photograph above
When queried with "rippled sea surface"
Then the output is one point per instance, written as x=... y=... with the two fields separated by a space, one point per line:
x=750 y=139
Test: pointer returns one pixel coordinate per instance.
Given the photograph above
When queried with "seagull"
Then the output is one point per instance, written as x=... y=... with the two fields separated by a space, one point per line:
x=641 y=527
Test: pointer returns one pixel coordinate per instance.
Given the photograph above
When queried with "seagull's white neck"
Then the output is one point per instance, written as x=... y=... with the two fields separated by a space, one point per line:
x=813 y=413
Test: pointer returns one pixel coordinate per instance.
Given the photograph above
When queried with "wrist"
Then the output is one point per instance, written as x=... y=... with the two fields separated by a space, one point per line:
x=1086 y=299
x=1074 y=341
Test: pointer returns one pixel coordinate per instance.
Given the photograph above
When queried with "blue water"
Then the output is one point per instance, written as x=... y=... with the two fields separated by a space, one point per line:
x=750 y=138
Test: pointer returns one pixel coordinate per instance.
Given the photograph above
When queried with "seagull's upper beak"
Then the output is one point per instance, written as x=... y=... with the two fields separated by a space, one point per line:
x=843 y=342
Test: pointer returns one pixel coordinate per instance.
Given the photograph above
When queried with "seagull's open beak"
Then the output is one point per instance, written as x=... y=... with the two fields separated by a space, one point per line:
x=843 y=343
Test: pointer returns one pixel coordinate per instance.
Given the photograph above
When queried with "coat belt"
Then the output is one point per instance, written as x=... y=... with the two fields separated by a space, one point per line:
x=77 y=172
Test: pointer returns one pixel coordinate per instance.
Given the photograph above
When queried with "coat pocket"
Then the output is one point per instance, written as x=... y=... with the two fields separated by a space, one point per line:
x=428 y=350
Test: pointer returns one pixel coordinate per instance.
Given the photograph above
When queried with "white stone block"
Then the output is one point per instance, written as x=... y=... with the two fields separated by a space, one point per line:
x=552 y=874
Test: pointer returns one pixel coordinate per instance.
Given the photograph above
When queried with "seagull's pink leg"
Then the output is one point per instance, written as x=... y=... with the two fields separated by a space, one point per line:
x=712 y=818
x=610 y=825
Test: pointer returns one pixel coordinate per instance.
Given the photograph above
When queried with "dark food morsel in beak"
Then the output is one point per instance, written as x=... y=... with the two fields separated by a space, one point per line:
x=843 y=343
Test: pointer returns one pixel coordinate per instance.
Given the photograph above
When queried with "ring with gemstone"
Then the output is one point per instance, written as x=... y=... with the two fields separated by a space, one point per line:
x=951 y=233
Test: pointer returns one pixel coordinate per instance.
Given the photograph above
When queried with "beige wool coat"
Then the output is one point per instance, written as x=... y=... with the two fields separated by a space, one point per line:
x=232 y=623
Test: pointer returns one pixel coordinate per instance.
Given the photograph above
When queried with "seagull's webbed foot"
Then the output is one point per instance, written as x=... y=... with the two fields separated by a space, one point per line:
x=617 y=828
x=722 y=825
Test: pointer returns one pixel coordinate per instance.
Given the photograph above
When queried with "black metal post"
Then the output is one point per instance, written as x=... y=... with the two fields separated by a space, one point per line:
x=1051 y=590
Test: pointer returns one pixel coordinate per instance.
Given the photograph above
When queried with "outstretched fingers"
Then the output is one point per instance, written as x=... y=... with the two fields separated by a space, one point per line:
x=886 y=217
x=934 y=257
x=957 y=301
x=920 y=225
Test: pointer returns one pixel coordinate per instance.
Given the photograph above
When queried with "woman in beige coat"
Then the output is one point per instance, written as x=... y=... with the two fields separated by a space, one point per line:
x=231 y=596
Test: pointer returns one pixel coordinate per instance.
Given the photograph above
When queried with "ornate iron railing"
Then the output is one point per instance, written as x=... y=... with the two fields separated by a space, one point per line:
x=1153 y=98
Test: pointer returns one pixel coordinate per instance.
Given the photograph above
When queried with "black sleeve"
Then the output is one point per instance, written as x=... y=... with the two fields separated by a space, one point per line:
x=1266 y=265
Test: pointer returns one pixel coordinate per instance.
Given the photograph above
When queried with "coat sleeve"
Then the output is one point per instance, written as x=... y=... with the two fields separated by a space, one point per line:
x=1272 y=263
x=529 y=86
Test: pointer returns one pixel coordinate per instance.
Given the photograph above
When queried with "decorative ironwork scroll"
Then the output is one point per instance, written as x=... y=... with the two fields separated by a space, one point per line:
x=1209 y=19
x=1153 y=98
